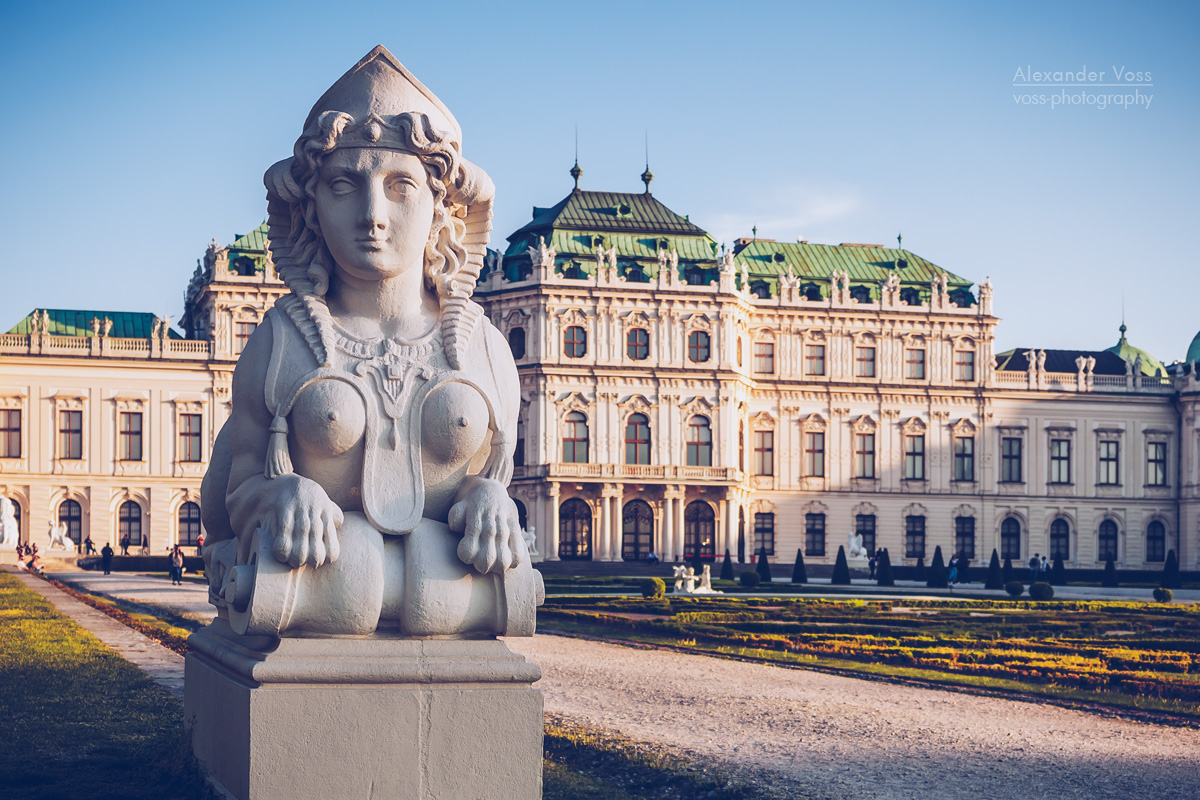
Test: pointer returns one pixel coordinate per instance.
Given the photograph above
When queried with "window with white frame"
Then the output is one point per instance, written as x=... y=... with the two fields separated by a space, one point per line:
x=914 y=457
x=964 y=365
x=1156 y=464
x=10 y=433
x=814 y=359
x=1010 y=459
x=129 y=444
x=814 y=454
x=764 y=358
x=1109 y=472
x=764 y=452
x=964 y=458
x=914 y=364
x=864 y=362
x=864 y=455
x=1060 y=461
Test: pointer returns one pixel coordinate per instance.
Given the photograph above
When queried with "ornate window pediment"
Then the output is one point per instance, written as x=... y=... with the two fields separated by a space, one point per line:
x=699 y=322
x=814 y=422
x=913 y=340
x=637 y=319
x=964 y=511
x=573 y=401
x=763 y=421
x=516 y=317
x=865 y=508
x=815 y=507
x=913 y=426
x=963 y=343
x=573 y=316
x=864 y=424
x=915 y=510
x=1109 y=434
x=697 y=405
x=763 y=507
x=963 y=427
x=635 y=404
x=764 y=335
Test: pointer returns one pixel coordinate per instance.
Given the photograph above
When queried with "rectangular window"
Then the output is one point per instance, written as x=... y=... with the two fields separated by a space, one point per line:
x=864 y=455
x=964 y=458
x=129 y=446
x=914 y=458
x=242 y=331
x=964 y=365
x=1156 y=464
x=10 y=433
x=764 y=452
x=914 y=537
x=189 y=437
x=864 y=526
x=864 y=362
x=814 y=359
x=1010 y=460
x=1110 y=464
x=764 y=533
x=814 y=534
x=964 y=537
x=70 y=434
x=764 y=357
x=1060 y=460
x=814 y=454
x=914 y=364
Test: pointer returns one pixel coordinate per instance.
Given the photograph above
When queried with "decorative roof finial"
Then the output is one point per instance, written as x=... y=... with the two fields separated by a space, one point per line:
x=754 y=231
x=900 y=241
x=647 y=176
x=575 y=170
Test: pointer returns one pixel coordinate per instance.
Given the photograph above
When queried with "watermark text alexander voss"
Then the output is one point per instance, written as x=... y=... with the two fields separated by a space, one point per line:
x=1100 y=88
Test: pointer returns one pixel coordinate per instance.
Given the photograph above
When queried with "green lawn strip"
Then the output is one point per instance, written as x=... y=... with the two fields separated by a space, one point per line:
x=79 y=721
x=1165 y=710
x=583 y=763
x=161 y=624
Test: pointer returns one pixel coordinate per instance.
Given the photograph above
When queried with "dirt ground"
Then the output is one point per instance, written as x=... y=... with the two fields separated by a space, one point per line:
x=811 y=735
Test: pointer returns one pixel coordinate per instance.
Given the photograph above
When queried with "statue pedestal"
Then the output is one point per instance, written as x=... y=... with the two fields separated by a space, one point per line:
x=363 y=717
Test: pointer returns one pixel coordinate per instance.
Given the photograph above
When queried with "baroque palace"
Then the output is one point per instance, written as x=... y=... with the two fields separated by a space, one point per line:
x=678 y=398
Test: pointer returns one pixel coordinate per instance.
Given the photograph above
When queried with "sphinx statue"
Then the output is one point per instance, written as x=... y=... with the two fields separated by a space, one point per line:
x=360 y=485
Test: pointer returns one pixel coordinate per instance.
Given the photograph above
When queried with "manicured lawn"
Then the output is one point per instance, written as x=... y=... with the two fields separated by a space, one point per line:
x=1128 y=655
x=77 y=720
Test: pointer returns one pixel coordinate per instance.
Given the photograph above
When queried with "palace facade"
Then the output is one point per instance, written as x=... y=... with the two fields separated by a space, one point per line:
x=677 y=398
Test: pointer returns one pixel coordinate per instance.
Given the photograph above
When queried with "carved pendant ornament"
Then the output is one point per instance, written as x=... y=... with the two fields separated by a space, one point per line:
x=360 y=484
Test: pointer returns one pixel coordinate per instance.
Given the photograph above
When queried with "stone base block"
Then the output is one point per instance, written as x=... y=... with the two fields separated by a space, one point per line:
x=363 y=718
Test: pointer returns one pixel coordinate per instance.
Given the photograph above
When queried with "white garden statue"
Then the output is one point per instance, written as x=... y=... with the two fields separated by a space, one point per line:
x=9 y=529
x=360 y=484
x=854 y=546
x=58 y=537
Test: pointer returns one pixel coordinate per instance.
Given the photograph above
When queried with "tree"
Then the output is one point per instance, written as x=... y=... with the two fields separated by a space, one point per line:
x=938 y=576
x=841 y=570
x=995 y=576
x=727 y=567
x=1007 y=574
x=1058 y=573
x=1171 y=579
x=1109 y=580
x=763 y=567
x=883 y=570
x=799 y=573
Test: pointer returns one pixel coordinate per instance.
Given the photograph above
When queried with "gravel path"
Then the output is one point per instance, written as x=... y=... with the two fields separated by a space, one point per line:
x=811 y=735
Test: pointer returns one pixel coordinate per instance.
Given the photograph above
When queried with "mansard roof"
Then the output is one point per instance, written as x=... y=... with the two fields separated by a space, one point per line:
x=254 y=241
x=865 y=264
x=76 y=322
x=1108 y=362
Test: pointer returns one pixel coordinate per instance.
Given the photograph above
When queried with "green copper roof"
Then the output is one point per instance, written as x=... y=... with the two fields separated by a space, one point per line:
x=618 y=212
x=1193 y=353
x=1126 y=351
x=864 y=264
x=71 y=322
x=254 y=240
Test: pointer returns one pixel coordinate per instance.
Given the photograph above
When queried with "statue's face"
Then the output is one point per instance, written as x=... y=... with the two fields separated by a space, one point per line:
x=375 y=208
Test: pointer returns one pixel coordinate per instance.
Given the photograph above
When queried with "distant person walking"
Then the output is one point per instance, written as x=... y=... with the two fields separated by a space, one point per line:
x=106 y=555
x=177 y=566
x=145 y=545
x=199 y=543
x=125 y=545
x=89 y=549
x=954 y=568
x=1045 y=570
x=1035 y=568
x=872 y=563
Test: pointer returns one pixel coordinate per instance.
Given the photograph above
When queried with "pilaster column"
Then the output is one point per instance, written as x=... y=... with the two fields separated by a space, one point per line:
x=618 y=522
x=679 y=533
x=731 y=509
x=552 y=492
x=605 y=523
x=667 y=536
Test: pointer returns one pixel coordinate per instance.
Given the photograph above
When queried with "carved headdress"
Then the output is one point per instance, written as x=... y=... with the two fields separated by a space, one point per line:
x=379 y=103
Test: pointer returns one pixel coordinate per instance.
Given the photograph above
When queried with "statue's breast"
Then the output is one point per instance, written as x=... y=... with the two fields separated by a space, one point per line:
x=454 y=424
x=328 y=418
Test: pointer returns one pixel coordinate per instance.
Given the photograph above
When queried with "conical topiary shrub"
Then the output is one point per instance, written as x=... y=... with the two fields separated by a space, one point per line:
x=964 y=570
x=921 y=568
x=799 y=573
x=1058 y=573
x=937 y=576
x=1007 y=573
x=727 y=567
x=995 y=575
x=1170 y=578
x=841 y=570
x=763 y=567
x=883 y=570
x=1109 y=580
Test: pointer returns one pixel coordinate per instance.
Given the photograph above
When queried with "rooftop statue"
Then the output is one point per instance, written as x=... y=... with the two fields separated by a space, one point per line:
x=360 y=484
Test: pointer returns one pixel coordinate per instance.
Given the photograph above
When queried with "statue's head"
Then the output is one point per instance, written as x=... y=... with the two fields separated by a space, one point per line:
x=378 y=119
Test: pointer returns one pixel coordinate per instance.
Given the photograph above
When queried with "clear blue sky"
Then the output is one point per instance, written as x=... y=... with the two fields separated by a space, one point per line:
x=138 y=131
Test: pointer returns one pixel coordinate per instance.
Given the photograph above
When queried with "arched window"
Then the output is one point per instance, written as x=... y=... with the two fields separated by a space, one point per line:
x=575 y=438
x=129 y=524
x=760 y=289
x=575 y=341
x=910 y=296
x=1060 y=540
x=699 y=348
x=699 y=442
x=636 y=273
x=637 y=439
x=637 y=530
x=699 y=530
x=695 y=276
x=1156 y=541
x=637 y=344
x=516 y=342
x=189 y=524
x=860 y=294
x=522 y=514
x=575 y=530
x=1010 y=538
x=811 y=291
x=1107 y=541
x=71 y=514
x=244 y=266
